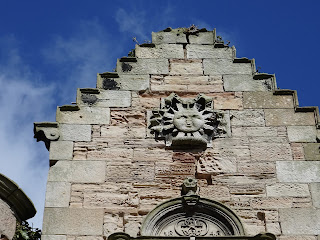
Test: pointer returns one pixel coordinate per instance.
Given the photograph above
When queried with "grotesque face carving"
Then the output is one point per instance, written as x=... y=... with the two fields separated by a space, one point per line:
x=186 y=121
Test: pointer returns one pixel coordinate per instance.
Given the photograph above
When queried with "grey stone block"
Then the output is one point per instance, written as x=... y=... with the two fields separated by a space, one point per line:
x=311 y=151
x=266 y=100
x=160 y=51
x=247 y=118
x=169 y=37
x=288 y=190
x=315 y=193
x=288 y=117
x=202 y=38
x=113 y=98
x=298 y=171
x=244 y=82
x=78 y=171
x=58 y=194
x=75 y=132
x=225 y=66
x=208 y=51
x=53 y=237
x=61 y=150
x=73 y=221
x=86 y=115
x=300 y=221
x=302 y=133
x=144 y=66
x=134 y=82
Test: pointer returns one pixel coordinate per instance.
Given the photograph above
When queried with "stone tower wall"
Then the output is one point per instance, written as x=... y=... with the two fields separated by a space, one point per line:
x=108 y=171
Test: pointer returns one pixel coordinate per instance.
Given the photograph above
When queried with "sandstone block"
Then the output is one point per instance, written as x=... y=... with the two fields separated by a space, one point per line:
x=266 y=100
x=189 y=79
x=208 y=51
x=7 y=220
x=61 y=150
x=53 y=237
x=288 y=117
x=315 y=193
x=302 y=133
x=58 y=194
x=257 y=167
x=311 y=151
x=254 y=132
x=77 y=171
x=227 y=100
x=273 y=227
x=244 y=82
x=160 y=51
x=110 y=200
x=247 y=118
x=112 y=223
x=144 y=66
x=134 y=82
x=202 y=38
x=298 y=237
x=297 y=151
x=111 y=154
x=169 y=37
x=298 y=171
x=72 y=221
x=225 y=66
x=113 y=98
x=300 y=221
x=75 y=132
x=288 y=190
x=270 y=151
x=218 y=192
x=169 y=88
x=178 y=67
x=86 y=115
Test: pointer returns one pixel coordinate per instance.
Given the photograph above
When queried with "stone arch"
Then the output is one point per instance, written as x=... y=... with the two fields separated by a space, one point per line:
x=192 y=216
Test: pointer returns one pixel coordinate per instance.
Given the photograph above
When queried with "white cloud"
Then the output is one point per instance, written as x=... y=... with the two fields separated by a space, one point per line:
x=23 y=100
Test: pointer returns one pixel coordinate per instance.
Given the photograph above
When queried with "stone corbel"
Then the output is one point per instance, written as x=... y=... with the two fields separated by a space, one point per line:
x=46 y=132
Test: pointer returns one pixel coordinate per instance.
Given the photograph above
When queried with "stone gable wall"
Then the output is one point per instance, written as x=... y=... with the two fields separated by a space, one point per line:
x=108 y=171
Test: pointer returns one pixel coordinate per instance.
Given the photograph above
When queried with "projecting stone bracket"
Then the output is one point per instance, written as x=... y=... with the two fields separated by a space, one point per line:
x=46 y=132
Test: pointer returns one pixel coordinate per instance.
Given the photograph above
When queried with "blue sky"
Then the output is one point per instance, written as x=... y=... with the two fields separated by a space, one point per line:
x=50 y=48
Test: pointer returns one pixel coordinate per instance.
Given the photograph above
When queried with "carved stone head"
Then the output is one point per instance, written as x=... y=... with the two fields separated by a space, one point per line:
x=182 y=122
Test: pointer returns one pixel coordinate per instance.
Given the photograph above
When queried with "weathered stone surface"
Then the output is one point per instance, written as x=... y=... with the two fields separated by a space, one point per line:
x=168 y=37
x=270 y=151
x=225 y=66
x=315 y=193
x=58 y=194
x=78 y=171
x=113 y=98
x=302 y=133
x=178 y=67
x=208 y=51
x=266 y=100
x=132 y=225
x=73 y=221
x=61 y=150
x=225 y=101
x=75 y=132
x=244 y=82
x=53 y=237
x=144 y=66
x=86 y=115
x=288 y=190
x=112 y=223
x=247 y=118
x=217 y=192
x=298 y=171
x=298 y=237
x=160 y=51
x=300 y=221
x=288 y=117
x=254 y=132
x=111 y=154
x=273 y=227
x=202 y=38
x=134 y=82
x=7 y=220
x=311 y=151
x=297 y=151
x=257 y=167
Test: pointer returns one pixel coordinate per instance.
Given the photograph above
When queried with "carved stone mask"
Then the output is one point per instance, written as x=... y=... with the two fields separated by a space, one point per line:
x=182 y=122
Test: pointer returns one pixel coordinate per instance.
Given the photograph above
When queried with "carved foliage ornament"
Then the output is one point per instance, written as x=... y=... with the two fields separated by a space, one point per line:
x=187 y=121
